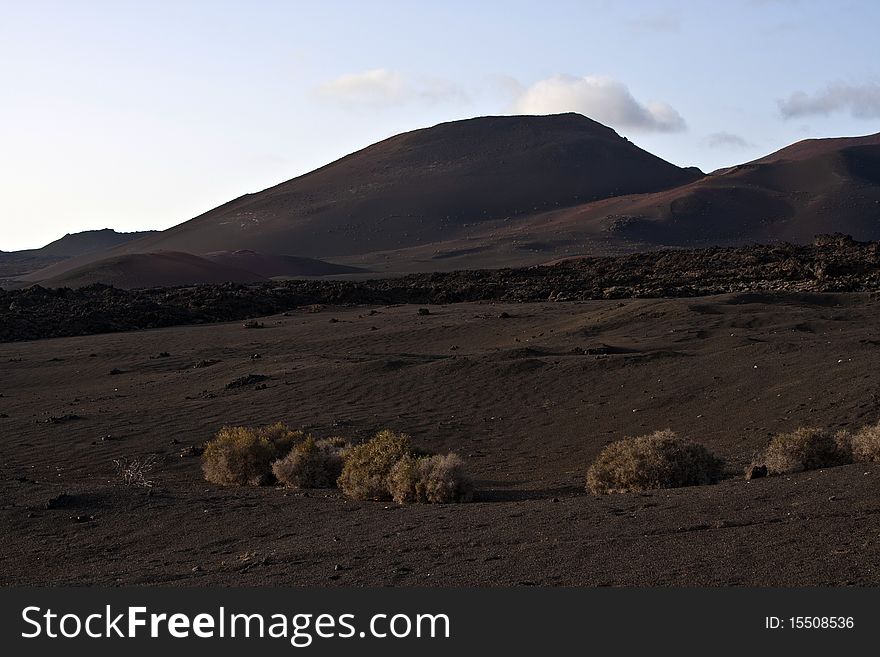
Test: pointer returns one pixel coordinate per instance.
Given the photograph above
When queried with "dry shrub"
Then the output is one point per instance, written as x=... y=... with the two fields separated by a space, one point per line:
x=430 y=479
x=865 y=444
x=311 y=464
x=658 y=460
x=366 y=467
x=805 y=449
x=136 y=472
x=243 y=455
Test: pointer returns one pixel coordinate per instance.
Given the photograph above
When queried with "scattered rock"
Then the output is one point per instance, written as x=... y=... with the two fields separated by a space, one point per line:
x=749 y=271
x=246 y=381
x=207 y=362
x=59 y=419
x=253 y=324
x=423 y=312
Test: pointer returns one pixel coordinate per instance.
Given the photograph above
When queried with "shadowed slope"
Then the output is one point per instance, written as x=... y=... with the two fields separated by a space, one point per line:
x=143 y=270
x=815 y=186
x=276 y=266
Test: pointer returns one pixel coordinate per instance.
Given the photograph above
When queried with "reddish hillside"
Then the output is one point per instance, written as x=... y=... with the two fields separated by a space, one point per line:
x=426 y=186
x=520 y=190
x=815 y=186
x=278 y=266
x=143 y=270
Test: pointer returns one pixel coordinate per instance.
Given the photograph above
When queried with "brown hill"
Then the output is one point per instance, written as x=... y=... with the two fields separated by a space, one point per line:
x=815 y=186
x=513 y=191
x=278 y=266
x=17 y=263
x=90 y=241
x=427 y=186
x=145 y=270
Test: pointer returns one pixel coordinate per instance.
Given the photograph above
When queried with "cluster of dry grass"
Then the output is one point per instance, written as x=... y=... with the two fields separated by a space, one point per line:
x=864 y=445
x=809 y=448
x=385 y=467
x=367 y=466
x=435 y=479
x=657 y=460
x=806 y=448
x=244 y=455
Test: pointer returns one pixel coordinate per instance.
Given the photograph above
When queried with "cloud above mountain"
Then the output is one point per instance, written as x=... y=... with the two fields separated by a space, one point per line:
x=601 y=98
x=384 y=87
x=861 y=101
x=726 y=140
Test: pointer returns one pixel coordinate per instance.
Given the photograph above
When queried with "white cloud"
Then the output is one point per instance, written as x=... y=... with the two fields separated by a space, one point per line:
x=375 y=87
x=726 y=140
x=861 y=101
x=381 y=87
x=600 y=98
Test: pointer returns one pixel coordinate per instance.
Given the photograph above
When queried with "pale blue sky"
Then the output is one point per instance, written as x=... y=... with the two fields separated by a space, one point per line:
x=137 y=115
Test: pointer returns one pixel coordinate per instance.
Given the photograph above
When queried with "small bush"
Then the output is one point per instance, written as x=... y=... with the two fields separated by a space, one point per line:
x=243 y=455
x=366 y=467
x=430 y=479
x=865 y=444
x=658 y=460
x=805 y=449
x=311 y=464
x=136 y=472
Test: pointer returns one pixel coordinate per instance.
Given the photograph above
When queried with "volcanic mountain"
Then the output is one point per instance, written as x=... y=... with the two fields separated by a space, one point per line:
x=811 y=187
x=523 y=190
x=430 y=185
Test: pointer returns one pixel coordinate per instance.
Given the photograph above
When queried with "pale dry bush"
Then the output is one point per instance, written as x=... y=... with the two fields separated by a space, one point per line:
x=657 y=460
x=439 y=479
x=311 y=464
x=865 y=444
x=366 y=467
x=244 y=455
x=806 y=448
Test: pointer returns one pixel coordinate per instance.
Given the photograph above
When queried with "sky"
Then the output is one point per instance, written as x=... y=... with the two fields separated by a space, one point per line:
x=142 y=115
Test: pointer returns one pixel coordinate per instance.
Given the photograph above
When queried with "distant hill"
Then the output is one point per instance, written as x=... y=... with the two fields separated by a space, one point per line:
x=174 y=268
x=811 y=187
x=278 y=266
x=16 y=263
x=90 y=241
x=146 y=270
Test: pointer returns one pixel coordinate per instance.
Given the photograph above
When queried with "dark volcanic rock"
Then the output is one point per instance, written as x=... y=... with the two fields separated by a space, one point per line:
x=247 y=380
x=830 y=264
